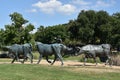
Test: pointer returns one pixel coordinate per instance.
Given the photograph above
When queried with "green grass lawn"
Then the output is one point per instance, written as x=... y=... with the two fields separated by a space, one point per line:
x=48 y=72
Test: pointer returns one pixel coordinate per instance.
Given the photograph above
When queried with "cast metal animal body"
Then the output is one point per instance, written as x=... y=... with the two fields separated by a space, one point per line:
x=93 y=51
x=17 y=50
x=46 y=50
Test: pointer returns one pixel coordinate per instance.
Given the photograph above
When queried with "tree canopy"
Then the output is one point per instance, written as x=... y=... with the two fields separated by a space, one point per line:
x=90 y=27
x=16 y=32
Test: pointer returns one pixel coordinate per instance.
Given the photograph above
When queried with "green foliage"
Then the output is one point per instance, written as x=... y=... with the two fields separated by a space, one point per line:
x=17 y=20
x=47 y=35
x=91 y=26
x=73 y=29
x=9 y=34
x=95 y=27
x=16 y=32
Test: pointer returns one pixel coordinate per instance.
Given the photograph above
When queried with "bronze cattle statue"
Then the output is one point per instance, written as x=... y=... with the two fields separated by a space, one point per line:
x=93 y=51
x=46 y=50
x=17 y=50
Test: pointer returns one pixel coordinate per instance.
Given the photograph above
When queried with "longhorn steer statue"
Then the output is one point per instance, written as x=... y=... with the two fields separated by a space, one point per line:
x=93 y=51
x=17 y=50
x=46 y=50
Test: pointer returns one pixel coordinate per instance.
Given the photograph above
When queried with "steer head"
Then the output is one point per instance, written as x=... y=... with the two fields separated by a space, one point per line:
x=71 y=51
x=78 y=50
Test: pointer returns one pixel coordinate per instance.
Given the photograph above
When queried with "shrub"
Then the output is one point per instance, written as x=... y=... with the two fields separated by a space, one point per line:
x=116 y=60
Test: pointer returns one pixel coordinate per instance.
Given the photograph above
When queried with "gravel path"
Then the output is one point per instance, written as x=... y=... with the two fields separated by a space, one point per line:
x=67 y=63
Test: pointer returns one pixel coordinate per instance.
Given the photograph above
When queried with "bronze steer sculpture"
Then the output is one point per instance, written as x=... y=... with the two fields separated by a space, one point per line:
x=17 y=50
x=46 y=50
x=92 y=51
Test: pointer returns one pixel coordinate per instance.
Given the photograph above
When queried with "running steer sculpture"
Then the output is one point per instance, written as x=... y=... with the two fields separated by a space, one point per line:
x=17 y=50
x=46 y=50
x=93 y=51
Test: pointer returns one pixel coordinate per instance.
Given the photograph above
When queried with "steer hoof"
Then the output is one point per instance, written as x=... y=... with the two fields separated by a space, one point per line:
x=49 y=62
x=62 y=64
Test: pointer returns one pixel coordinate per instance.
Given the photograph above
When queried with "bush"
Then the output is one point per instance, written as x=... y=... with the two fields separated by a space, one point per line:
x=116 y=60
x=36 y=55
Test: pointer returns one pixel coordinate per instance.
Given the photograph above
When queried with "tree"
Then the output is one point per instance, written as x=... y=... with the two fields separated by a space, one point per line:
x=82 y=29
x=105 y=31
x=2 y=38
x=103 y=20
x=17 y=32
x=91 y=27
x=73 y=29
x=47 y=34
x=18 y=20
x=95 y=27
x=40 y=34
x=9 y=34
x=115 y=21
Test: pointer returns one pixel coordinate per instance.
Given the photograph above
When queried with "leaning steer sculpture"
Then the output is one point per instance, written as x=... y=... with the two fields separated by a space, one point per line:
x=46 y=50
x=17 y=50
x=93 y=51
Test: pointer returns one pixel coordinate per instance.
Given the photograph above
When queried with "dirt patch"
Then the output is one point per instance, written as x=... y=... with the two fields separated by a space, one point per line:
x=96 y=70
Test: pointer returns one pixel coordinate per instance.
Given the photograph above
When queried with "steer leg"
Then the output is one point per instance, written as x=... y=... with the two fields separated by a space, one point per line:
x=95 y=60
x=60 y=57
x=94 y=57
x=47 y=59
x=85 y=59
x=40 y=58
x=31 y=57
x=57 y=51
x=25 y=57
x=17 y=57
x=109 y=60
x=14 y=58
x=54 y=60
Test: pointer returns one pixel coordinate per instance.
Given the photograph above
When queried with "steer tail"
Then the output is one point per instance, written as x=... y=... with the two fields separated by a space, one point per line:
x=31 y=46
x=37 y=47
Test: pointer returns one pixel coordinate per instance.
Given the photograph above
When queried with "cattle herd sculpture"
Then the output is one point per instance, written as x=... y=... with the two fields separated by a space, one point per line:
x=17 y=51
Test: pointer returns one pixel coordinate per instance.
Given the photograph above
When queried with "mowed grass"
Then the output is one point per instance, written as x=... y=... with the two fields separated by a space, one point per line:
x=48 y=72
x=18 y=71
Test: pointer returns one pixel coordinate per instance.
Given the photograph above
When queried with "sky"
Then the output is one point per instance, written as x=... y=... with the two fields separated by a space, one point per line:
x=52 y=12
